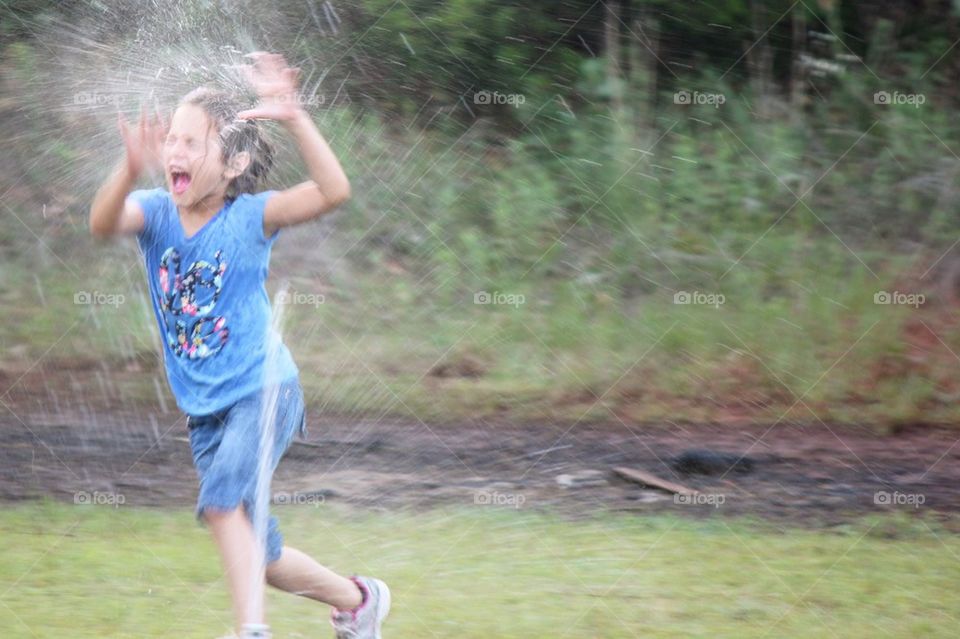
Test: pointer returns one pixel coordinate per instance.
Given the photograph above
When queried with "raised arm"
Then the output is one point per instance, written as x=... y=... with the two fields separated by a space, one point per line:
x=328 y=187
x=111 y=213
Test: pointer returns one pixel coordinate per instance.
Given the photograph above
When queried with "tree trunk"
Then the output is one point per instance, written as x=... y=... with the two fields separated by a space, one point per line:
x=798 y=47
x=759 y=59
x=798 y=74
x=611 y=42
x=643 y=52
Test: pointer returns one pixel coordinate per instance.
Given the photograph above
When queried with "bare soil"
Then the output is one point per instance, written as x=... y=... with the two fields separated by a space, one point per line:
x=809 y=474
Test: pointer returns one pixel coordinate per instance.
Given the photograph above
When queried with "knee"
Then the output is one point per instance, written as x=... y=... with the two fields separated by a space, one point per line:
x=216 y=516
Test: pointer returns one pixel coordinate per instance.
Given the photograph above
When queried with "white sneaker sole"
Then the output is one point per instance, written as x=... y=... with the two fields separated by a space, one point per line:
x=383 y=605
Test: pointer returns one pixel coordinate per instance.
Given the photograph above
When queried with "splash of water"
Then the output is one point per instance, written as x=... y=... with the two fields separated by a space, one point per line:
x=268 y=414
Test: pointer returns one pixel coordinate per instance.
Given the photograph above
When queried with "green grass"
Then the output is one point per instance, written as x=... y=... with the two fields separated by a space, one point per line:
x=819 y=338
x=480 y=573
x=800 y=330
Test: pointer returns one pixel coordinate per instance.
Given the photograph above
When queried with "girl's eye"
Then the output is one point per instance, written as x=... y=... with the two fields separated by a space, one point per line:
x=170 y=141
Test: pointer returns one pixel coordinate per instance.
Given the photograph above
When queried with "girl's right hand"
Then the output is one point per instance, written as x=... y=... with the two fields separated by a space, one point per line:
x=144 y=143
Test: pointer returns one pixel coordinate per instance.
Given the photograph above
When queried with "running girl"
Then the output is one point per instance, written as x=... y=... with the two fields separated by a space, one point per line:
x=206 y=242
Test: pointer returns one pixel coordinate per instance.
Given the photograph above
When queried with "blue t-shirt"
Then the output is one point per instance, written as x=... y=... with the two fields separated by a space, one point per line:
x=210 y=301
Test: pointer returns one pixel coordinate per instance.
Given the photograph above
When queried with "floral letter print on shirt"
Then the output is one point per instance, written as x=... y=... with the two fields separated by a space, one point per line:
x=195 y=297
x=187 y=302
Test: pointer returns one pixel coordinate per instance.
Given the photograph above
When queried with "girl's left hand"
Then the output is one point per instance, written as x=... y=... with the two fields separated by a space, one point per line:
x=276 y=84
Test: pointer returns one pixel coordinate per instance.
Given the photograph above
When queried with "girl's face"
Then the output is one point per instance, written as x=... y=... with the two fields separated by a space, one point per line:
x=193 y=159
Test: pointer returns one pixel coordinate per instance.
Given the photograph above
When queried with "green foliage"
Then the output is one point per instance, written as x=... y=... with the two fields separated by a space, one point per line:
x=597 y=198
x=454 y=54
x=24 y=18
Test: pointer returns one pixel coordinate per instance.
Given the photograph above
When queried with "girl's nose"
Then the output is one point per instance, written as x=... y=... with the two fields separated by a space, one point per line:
x=175 y=152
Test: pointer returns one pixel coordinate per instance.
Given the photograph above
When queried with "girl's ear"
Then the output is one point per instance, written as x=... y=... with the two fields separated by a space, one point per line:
x=237 y=165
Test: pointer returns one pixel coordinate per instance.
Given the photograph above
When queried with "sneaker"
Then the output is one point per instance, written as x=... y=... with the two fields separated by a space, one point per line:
x=255 y=631
x=363 y=622
x=251 y=631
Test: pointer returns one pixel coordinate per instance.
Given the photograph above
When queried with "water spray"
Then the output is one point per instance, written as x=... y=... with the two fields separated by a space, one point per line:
x=268 y=414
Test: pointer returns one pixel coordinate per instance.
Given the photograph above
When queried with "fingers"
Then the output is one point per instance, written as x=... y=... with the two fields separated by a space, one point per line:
x=148 y=125
x=129 y=136
x=158 y=124
x=250 y=114
x=142 y=127
x=291 y=75
x=159 y=135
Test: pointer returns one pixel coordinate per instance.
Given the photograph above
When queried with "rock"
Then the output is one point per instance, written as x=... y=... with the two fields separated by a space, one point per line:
x=648 y=496
x=501 y=485
x=582 y=479
x=912 y=478
x=711 y=462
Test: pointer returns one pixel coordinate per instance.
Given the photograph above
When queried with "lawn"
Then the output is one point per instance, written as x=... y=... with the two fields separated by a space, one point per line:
x=97 y=571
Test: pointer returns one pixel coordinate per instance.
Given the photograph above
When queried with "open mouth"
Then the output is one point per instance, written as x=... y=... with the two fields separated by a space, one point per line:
x=180 y=181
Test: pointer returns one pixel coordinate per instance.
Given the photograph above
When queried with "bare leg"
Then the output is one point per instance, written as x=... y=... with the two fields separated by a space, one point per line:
x=235 y=538
x=298 y=573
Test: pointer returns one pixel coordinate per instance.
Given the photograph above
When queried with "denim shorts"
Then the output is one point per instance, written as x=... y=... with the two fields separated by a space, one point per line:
x=225 y=447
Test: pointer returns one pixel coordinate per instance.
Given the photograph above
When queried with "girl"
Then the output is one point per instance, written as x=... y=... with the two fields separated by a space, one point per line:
x=206 y=242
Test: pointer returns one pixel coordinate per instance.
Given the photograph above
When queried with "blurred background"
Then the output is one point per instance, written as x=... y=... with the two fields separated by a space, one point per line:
x=713 y=242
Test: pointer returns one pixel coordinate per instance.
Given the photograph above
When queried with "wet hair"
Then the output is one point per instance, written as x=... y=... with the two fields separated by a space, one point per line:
x=236 y=136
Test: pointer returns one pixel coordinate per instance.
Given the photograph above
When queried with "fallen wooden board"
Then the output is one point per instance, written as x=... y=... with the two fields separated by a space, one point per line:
x=647 y=479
